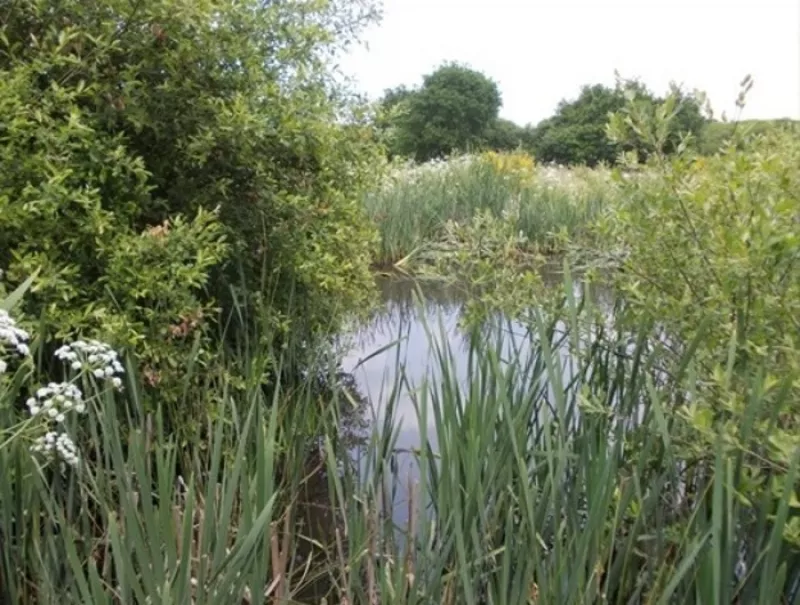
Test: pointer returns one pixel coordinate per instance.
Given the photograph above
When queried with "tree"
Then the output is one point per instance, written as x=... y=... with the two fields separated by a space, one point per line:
x=577 y=133
x=157 y=155
x=390 y=111
x=505 y=135
x=395 y=96
x=453 y=110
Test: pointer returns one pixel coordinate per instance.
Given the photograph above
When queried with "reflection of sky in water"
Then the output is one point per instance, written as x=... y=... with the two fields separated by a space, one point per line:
x=416 y=325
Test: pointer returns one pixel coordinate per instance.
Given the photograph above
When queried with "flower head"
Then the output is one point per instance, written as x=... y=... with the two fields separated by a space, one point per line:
x=57 y=399
x=53 y=444
x=96 y=357
x=12 y=338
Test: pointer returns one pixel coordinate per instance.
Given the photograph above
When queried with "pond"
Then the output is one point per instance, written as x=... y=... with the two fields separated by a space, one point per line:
x=401 y=341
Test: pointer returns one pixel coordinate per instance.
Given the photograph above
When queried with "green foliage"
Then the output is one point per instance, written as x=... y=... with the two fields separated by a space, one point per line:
x=576 y=134
x=156 y=155
x=144 y=516
x=688 y=120
x=717 y=134
x=396 y=96
x=497 y=256
x=505 y=135
x=704 y=256
x=654 y=126
x=453 y=110
x=709 y=250
x=552 y=475
x=414 y=203
x=390 y=112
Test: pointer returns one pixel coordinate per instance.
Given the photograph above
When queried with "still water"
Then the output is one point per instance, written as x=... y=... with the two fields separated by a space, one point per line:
x=416 y=319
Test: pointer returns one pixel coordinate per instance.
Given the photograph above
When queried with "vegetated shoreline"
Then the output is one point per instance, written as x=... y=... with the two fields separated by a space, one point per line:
x=421 y=207
x=171 y=189
x=533 y=530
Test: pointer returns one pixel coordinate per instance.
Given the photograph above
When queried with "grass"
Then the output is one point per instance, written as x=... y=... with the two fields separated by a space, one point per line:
x=554 y=479
x=415 y=202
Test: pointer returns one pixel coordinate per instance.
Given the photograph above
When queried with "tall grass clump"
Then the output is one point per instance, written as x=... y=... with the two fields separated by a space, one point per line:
x=415 y=202
x=556 y=471
x=100 y=502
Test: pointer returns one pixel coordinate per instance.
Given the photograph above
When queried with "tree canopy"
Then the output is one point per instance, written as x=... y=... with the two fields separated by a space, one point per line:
x=452 y=111
x=577 y=132
x=456 y=110
x=505 y=135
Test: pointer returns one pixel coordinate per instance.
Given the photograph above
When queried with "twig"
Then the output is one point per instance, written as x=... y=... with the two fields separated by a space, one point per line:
x=344 y=570
x=372 y=591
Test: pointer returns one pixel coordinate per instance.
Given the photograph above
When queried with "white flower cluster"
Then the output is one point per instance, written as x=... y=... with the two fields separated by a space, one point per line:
x=53 y=403
x=409 y=173
x=58 y=443
x=97 y=357
x=56 y=400
x=12 y=338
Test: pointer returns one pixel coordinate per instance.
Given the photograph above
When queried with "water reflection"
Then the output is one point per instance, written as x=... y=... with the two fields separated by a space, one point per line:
x=416 y=319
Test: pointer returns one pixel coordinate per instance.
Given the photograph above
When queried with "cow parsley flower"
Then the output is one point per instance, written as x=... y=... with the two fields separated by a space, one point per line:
x=57 y=444
x=94 y=356
x=12 y=338
x=55 y=400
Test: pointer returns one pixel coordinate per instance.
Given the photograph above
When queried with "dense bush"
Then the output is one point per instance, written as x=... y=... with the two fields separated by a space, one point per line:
x=156 y=155
x=709 y=249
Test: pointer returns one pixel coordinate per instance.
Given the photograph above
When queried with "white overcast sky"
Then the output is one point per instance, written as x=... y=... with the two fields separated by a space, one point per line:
x=540 y=51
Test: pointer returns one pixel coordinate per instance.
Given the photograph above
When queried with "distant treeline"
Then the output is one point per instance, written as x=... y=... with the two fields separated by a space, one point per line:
x=456 y=109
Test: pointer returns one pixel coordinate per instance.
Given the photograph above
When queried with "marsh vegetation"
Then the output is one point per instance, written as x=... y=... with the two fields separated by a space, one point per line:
x=578 y=384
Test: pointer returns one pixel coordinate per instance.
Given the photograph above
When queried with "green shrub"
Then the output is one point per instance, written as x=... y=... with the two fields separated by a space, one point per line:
x=155 y=156
x=709 y=250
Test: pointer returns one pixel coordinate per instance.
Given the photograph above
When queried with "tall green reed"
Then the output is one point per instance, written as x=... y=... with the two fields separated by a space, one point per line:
x=552 y=478
x=234 y=513
x=412 y=208
x=545 y=477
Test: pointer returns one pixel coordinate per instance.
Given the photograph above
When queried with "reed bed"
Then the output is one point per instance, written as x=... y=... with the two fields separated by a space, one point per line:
x=558 y=472
x=543 y=202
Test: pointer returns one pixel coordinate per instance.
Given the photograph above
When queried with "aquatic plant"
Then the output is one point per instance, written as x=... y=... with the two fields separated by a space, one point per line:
x=415 y=202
